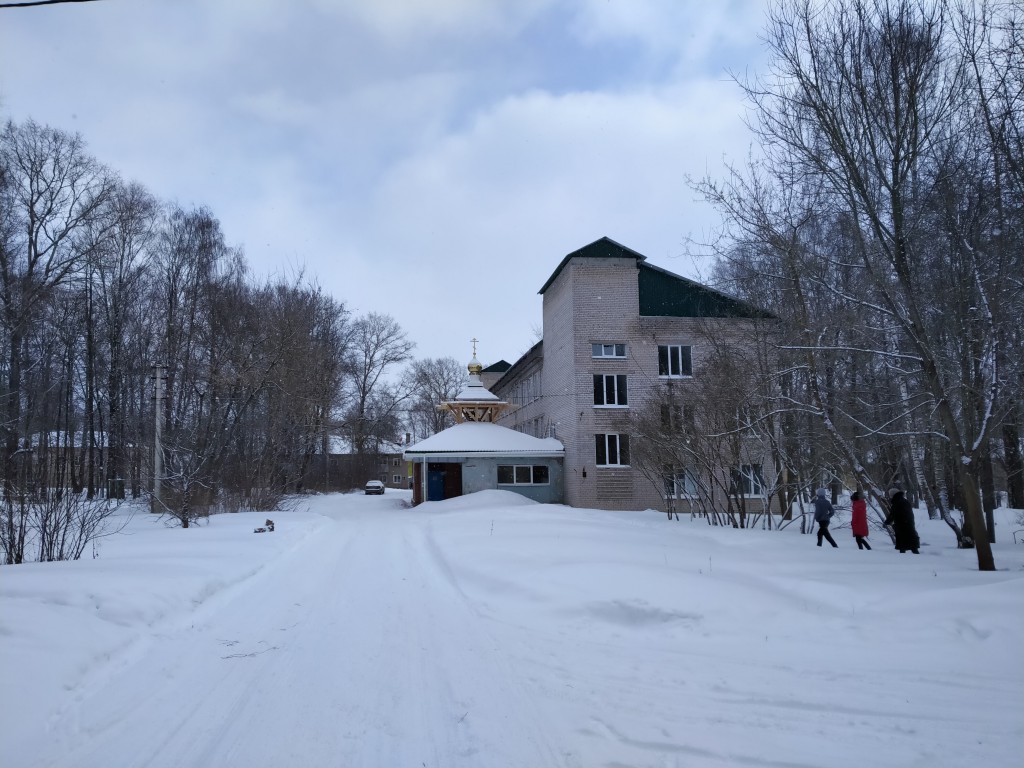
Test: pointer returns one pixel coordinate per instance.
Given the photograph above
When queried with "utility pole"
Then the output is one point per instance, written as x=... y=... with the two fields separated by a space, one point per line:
x=159 y=379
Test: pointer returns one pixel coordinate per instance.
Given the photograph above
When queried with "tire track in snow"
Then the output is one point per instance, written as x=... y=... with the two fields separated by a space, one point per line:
x=507 y=706
x=178 y=701
x=353 y=650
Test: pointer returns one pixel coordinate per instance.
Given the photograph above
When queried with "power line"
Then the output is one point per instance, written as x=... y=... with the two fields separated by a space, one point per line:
x=29 y=3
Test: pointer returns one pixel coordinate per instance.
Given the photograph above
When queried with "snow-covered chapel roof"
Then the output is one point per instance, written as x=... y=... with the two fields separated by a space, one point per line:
x=475 y=391
x=484 y=439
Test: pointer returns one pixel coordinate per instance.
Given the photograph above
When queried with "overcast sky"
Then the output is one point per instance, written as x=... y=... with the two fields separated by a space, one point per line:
x=429 y=159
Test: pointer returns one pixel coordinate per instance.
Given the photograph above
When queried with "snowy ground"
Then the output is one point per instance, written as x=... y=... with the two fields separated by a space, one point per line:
x=491 y=631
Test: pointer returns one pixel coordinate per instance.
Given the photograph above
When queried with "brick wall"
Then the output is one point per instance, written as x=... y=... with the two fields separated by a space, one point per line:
x=596 y=300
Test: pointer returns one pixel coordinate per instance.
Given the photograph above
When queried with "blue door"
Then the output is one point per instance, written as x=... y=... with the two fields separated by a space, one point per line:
x=435 y=485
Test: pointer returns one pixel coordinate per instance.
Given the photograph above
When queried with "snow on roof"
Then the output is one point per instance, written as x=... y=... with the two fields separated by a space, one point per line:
x=480 y=438
x=475 y=392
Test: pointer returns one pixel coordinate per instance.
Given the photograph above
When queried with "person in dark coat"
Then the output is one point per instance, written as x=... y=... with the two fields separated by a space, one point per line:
x=859 y=520
x=901 y=518
x=822 y=514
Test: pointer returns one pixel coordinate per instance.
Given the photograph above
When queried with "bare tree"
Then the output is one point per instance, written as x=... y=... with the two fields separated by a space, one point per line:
x=120 y=268
x=49 y=190
x=434 y=381
x=864 y=120
x=714 y=441
x=378 y=345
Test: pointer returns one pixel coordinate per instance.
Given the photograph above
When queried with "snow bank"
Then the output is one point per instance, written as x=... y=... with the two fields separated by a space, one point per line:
x=481 y=501
x=60 y=623
x=492 y=630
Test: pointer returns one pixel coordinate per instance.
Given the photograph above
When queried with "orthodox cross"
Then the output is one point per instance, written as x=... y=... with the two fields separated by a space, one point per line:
x=474 y=346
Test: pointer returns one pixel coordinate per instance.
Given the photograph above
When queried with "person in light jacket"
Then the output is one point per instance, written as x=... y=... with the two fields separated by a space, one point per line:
x=822 y=514
x=859 y=520
x=901 y=518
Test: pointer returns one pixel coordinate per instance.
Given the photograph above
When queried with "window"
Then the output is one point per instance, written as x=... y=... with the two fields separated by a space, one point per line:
x=608 y=350
x=396 y=479
x=526 y=390
x=610 y=390
x=674 y=361
x=394 y=462
x=680 y=484
x=748 y=480
x=612 y=450
x=522 y=474
x=678 y=418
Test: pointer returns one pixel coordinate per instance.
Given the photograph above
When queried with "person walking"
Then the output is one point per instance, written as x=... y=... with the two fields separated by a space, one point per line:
x=859 y=520
x=901 y=518
x=822 y=514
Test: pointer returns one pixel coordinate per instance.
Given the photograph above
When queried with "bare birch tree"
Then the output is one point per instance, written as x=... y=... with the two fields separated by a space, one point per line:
x=863 y=120
x=50 y=189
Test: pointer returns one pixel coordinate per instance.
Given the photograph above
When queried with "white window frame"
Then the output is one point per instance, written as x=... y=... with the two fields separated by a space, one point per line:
x=614 y=351
x=619 y=390
x=613 y=444
x=396 y=479
x=752 y=477
x=531 y=470
x=676 y=358
x=681 y=484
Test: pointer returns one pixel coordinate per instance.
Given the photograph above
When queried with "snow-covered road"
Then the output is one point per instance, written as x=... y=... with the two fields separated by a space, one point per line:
x=490 y=631
x=354 y=649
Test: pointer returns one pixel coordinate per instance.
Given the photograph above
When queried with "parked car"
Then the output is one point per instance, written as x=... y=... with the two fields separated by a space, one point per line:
x=373 y=487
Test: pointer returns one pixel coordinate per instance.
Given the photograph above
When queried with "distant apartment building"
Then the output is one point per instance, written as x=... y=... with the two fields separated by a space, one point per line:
x=615 y=331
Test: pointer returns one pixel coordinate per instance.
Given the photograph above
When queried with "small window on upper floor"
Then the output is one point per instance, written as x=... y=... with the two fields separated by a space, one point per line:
x=608 y=350
x=610 y=390
x=675 y=361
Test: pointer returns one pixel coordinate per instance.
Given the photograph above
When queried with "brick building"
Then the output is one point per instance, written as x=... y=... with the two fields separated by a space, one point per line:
x=615 y=330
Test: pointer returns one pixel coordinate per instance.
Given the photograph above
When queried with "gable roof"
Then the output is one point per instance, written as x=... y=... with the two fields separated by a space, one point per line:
x=499 y=367
x=599 y=249
x=665 y=294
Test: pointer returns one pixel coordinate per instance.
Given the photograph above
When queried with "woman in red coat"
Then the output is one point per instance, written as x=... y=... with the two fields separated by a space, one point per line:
x=859 y=520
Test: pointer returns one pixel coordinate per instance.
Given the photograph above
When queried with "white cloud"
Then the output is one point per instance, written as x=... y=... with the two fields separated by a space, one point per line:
x=688 y=29
x=401 y=20
x=430 y=160
x=494 y=208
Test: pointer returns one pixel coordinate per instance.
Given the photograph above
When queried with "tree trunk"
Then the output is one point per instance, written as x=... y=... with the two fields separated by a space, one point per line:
x=1013 y=460
x=988 y=493
x=89 y=441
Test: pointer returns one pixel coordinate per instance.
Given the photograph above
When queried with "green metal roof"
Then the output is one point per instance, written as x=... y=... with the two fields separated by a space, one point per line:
x=600 y=249
x=664 y=294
